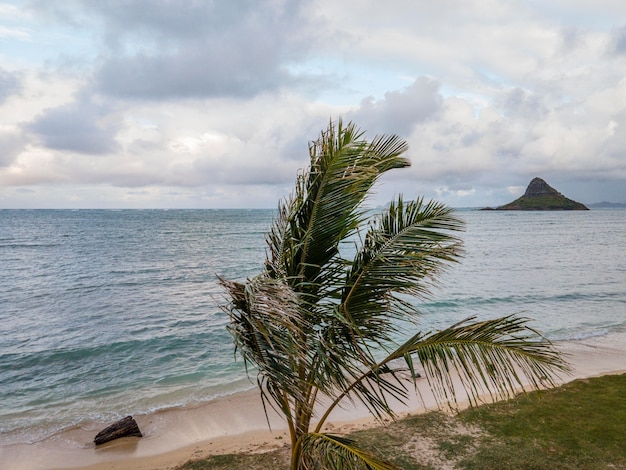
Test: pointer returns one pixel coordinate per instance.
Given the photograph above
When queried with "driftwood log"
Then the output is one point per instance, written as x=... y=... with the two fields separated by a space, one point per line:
x=124 y=427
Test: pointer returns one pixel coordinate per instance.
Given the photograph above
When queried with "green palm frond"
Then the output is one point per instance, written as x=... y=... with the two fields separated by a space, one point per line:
x=407 y=244
x=498 y=357
x=402 y=253
x=327 y=451
x=326 y=205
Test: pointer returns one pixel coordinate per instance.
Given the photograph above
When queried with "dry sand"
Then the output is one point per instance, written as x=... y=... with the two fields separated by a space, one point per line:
x=238 y=424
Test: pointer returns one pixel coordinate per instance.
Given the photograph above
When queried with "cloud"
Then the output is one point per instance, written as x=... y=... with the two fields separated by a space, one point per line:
x=182 y=146
x=81 y=126
x=12 y=144
x=165 y=50
x=521 y=104
x=399 y=111
x=190 y=74
x=468 y=152
x=618 y=41
x=9 y=84
x=215 y=102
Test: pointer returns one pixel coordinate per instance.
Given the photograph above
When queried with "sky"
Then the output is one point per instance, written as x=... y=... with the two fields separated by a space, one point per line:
x=212 y=104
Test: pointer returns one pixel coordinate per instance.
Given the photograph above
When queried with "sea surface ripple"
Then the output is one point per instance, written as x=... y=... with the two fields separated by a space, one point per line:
x=105 y=313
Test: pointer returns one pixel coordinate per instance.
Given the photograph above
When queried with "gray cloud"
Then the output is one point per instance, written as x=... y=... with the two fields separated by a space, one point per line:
x=614 y=145
x=81 y=126
x=199 y=49
x=618 y=41
x=518 y=103
x=11 y=144
x=571 y=38
x=189 y=74
x=9 y=84
x=400 y=111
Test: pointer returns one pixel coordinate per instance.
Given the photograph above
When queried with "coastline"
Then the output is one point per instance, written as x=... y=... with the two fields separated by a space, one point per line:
x=237 y=423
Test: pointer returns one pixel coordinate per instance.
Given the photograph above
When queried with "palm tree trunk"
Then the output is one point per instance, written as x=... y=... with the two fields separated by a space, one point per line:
x=296 y=450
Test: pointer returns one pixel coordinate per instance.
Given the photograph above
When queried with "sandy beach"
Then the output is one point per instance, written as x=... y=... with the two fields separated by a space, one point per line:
x=237 y=423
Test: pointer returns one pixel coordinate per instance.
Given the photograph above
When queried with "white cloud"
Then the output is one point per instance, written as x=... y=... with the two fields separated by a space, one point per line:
x=15 y=33
x=209 y=104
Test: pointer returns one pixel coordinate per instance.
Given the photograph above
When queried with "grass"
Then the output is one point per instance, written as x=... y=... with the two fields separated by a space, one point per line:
x=267 y=461
x=581 y=425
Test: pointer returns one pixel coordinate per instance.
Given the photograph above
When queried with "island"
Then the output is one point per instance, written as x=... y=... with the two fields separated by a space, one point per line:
x=540 y=196
x=608 y=205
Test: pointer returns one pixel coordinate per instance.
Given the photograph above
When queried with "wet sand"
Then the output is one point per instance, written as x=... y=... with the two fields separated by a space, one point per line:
x=237 y=423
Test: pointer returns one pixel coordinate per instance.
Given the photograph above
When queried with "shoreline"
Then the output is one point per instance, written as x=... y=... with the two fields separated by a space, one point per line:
x=237 y=423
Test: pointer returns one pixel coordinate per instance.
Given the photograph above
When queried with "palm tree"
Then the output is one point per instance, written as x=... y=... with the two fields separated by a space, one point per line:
x=316 y=324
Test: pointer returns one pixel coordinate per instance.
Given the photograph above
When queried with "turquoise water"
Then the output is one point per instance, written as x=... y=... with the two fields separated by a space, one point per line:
x=106 y=313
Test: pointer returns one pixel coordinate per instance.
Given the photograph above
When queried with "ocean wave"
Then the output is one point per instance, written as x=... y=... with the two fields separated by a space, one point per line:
x=105 y=313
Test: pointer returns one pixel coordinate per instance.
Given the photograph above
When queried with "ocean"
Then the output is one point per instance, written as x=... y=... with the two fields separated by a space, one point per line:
x=105 y=313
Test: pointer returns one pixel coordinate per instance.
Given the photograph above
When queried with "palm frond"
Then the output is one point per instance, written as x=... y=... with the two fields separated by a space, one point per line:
x=346 y=375
x=266 y=322
x=498 y=357
x=321 y=450
x=326 y=205
x=402 y=253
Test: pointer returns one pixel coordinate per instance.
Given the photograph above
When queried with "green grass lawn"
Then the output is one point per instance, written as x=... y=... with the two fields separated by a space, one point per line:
x=581 y=425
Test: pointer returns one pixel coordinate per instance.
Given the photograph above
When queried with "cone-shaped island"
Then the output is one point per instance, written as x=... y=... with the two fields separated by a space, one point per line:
x=540 y=196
